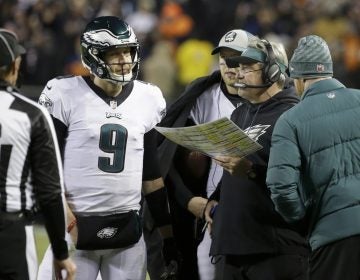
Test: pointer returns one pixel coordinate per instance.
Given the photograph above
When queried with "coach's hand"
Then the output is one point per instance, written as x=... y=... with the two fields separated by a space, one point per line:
x=172 y=259
x=238 y=166
x=209 y=212
x=66 y=265
x=197 y=205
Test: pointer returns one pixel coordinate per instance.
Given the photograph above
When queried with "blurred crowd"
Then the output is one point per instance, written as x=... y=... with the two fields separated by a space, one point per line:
x=177 y=36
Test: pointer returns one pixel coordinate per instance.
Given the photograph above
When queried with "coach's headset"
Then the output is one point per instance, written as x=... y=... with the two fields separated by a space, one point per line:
x=271 y=72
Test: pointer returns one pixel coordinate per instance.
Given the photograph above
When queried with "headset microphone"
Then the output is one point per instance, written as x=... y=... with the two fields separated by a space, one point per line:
x=242 y=85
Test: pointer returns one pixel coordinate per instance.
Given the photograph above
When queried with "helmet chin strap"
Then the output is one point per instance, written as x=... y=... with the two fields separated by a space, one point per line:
x=118 y=78
x=117 y=82
x=121 y=78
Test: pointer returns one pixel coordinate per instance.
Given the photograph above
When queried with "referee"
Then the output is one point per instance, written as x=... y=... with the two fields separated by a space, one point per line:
x=30 y=175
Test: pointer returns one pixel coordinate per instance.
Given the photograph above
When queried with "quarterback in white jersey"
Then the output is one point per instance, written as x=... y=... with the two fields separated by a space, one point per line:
x=103 y=158
x=104 y=126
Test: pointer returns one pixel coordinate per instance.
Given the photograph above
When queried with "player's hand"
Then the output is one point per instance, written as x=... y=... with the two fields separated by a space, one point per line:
x=197 y=205
x=209 y=212
x=172 y=259
x=73 y=233
x=234 y=165
x=67 y=266
x=72 y=228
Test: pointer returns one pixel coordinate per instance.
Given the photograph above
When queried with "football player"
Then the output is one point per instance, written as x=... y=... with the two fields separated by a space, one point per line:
x=105 y=127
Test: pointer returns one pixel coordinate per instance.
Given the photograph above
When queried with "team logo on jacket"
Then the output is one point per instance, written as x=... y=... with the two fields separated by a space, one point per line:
x=254 y=132
x=107 y=232
x=331 y=95
x=45 y=101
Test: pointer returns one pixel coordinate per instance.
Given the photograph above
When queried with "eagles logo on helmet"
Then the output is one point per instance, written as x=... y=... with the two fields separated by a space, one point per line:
x=100 y=35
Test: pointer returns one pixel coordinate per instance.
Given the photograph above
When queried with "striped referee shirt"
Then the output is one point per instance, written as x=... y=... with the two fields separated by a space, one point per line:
x=30 y=164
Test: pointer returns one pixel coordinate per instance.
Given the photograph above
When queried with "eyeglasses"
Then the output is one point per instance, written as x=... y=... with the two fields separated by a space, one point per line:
x=246 y=69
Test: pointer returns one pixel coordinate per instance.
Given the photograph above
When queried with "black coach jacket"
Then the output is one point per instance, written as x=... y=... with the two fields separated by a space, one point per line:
x=177 y=116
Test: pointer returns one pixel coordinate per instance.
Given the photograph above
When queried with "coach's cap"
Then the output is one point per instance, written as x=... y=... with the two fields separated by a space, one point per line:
x=236 y=39
x=259 y=52
x=10 y=48
x=255 y=51
x=311 y=59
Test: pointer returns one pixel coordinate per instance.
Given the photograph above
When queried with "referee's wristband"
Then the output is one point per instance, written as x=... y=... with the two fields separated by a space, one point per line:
x=71 y=226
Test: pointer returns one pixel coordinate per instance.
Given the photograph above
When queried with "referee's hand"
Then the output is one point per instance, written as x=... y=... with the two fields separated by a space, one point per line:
x=67 y=266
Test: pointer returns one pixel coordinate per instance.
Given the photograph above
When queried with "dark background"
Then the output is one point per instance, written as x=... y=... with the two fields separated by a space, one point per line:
x=177 y=36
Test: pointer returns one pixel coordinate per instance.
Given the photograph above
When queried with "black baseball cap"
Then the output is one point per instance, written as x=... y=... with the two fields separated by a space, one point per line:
x=10 y=48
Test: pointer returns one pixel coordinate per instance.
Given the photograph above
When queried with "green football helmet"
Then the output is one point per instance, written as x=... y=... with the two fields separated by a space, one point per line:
x=100 y=35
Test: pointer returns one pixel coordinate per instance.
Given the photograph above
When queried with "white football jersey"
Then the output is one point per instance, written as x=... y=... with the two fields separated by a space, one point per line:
x=212 y=105
x=103 y=158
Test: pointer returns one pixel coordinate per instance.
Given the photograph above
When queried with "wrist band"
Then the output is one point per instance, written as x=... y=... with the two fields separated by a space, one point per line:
x=71 y=226
x=159 y=208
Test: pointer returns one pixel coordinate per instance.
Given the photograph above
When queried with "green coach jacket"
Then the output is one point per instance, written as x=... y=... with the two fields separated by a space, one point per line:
x=314 y=166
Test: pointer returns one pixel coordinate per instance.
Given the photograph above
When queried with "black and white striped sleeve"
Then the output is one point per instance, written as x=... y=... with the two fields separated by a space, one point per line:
x=48 y=180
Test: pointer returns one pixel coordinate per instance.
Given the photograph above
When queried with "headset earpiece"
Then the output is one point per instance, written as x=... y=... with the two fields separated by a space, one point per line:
x=272 y=71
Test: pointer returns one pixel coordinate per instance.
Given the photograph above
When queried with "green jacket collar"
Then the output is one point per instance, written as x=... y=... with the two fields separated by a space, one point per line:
x=322 y=86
